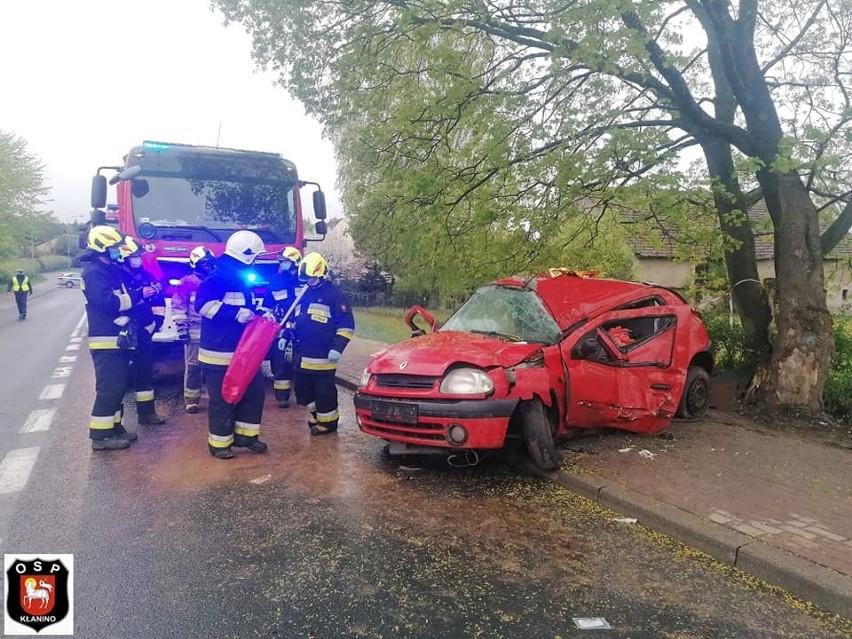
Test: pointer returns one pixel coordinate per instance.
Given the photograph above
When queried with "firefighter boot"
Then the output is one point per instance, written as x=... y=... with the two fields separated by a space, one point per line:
x=319 y=429
x=221 y=453
x=153 y=419
x=110 y=443
x=191 y=408
x=128 y=435
x=253 y=444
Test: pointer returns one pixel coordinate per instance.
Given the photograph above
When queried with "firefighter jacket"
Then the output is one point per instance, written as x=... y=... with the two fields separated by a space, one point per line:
x=108 y=303
x=20 y=283
x=280 y=293
x=147 y=313
x=183 y=306
x=322 y=322
x=218 y=299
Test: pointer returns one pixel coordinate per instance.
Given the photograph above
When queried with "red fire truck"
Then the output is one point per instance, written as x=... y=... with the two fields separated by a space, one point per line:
x=174 y=197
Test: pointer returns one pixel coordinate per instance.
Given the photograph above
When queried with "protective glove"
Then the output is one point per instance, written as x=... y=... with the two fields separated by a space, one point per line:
x=244 y=316
x=183 y=335
x=333 y=355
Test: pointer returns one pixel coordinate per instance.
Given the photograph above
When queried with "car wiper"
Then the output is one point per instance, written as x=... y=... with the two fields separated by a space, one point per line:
x=505 y=336
x=166 y=232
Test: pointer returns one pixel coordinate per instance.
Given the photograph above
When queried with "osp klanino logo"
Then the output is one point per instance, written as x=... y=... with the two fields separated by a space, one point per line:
x=39 y=595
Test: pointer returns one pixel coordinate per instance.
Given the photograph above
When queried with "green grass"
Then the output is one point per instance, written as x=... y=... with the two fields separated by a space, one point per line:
x=387 y=324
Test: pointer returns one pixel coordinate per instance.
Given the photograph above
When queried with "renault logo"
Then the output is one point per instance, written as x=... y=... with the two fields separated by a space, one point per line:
x=403 y=365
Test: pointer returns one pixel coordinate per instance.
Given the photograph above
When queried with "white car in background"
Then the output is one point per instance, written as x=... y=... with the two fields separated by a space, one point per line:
x=69 y=280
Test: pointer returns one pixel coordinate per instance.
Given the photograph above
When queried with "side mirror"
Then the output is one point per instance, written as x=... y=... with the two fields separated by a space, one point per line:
x=321 y=227
x=319 y=206
x=127 y=174
x=99 y=191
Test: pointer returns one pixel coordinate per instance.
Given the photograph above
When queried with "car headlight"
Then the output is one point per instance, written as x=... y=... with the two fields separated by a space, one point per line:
x=466 y=381
x=365 y=379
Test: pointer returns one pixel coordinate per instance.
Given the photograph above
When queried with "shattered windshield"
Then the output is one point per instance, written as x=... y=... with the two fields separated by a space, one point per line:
x=507 y=313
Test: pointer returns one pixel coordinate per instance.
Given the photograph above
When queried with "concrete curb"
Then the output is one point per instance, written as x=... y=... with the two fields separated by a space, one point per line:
x=826 y=588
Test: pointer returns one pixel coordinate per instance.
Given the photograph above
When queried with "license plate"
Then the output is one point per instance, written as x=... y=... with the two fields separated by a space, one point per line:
x=394 y=412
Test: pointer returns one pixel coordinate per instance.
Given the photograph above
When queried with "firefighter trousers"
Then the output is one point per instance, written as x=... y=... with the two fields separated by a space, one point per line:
x=318 y=391
x=112 y=381
x=191 y=374
x=143 y=374
x=282 y=370
x=226 y=420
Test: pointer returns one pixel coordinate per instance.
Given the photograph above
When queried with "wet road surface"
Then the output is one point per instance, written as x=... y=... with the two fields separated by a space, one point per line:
x=326 y=537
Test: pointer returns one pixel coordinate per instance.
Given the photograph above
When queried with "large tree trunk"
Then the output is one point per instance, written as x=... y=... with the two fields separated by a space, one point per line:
x=803 y=340
x=741 y=260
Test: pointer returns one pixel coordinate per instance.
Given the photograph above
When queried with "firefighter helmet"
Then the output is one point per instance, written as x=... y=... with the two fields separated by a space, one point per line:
x=292 y=254
x=129 y=247
x=20 y=271
x=103 y=237
x=200 y=254
x=244 y=246
x=313 y=265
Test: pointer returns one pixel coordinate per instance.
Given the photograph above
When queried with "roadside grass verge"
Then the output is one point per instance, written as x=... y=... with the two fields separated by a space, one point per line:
x=387 y=324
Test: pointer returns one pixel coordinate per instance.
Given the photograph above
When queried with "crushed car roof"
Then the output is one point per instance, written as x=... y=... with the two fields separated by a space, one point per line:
x=573 y=296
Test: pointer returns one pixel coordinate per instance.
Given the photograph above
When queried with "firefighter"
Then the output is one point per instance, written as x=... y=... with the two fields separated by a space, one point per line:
x=278 y=299
x=226 y=304
x=148 y=315
x=188 y=322
x=21 y=287
x=111 y=336
x=323 y=325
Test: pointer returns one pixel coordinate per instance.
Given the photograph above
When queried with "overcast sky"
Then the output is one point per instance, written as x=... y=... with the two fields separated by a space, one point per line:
x=85 y=81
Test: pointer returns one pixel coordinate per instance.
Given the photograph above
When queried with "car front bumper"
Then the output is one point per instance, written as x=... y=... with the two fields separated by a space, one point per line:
x=426 y=422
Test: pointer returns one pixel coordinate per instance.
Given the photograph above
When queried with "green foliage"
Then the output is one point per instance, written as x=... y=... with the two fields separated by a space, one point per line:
x=838 y=389
x=22 y=195
x=729 y=341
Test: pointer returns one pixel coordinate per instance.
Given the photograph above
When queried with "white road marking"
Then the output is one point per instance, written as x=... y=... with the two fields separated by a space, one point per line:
x=52 y=391
x=79 y=326
x=39 y=420
x=76 y=340
x=67 y=359
x=72 y=347
x=62 y=371
x=15 y=469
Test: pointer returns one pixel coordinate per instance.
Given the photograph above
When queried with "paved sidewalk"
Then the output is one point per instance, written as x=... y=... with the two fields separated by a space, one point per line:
x=772 y=503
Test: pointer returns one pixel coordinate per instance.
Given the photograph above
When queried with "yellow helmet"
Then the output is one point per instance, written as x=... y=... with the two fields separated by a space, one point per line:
x=129 y=247
x=292 y=254
x=313 y=265
x=103 y=237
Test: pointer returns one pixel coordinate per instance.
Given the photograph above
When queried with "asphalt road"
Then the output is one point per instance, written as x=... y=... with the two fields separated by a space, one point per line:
x=326 y=537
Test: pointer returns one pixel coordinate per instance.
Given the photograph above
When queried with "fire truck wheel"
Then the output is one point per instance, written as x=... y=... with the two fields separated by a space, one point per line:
x=538 y=435
x=696 y=394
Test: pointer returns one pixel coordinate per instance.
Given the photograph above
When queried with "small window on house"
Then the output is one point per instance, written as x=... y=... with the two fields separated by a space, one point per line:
x=845 y=293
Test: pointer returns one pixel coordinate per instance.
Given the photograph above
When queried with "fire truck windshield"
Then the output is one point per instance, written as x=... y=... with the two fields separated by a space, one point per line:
x=215 y=206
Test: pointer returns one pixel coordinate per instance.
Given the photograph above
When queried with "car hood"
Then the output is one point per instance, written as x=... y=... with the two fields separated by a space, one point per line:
x=432 y=354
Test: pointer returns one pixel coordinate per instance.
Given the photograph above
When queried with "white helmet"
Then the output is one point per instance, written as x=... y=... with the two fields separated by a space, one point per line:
x=244 y=246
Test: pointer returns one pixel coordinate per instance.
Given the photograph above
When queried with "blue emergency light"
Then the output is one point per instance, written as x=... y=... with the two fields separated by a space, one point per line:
x=251 y=277
x=155 y=145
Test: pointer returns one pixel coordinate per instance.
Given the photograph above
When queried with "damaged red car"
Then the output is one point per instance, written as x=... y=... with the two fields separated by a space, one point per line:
x=535 y=359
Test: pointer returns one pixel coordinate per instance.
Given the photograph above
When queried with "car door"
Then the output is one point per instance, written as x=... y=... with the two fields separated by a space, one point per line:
x=626 y=369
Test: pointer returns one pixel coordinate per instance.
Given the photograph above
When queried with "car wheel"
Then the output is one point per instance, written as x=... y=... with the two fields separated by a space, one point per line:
x=696 y=394
x=69 y=284
x=538 y=435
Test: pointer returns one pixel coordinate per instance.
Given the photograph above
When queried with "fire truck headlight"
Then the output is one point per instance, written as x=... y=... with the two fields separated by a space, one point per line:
x=467 y=381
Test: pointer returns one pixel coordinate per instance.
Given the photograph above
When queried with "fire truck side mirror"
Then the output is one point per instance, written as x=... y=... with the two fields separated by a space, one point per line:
x=321 y=227
x=319 y=206
x=99 y=191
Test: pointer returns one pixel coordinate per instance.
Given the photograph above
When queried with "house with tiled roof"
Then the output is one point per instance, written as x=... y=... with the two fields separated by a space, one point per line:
x=659 y=257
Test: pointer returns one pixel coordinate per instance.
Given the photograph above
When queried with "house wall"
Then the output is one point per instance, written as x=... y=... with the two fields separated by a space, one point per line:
x=838 y=277
x=838 y=283
x=661 y=270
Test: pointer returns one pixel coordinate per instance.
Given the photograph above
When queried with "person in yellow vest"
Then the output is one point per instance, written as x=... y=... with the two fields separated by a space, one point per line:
x=21 y=287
